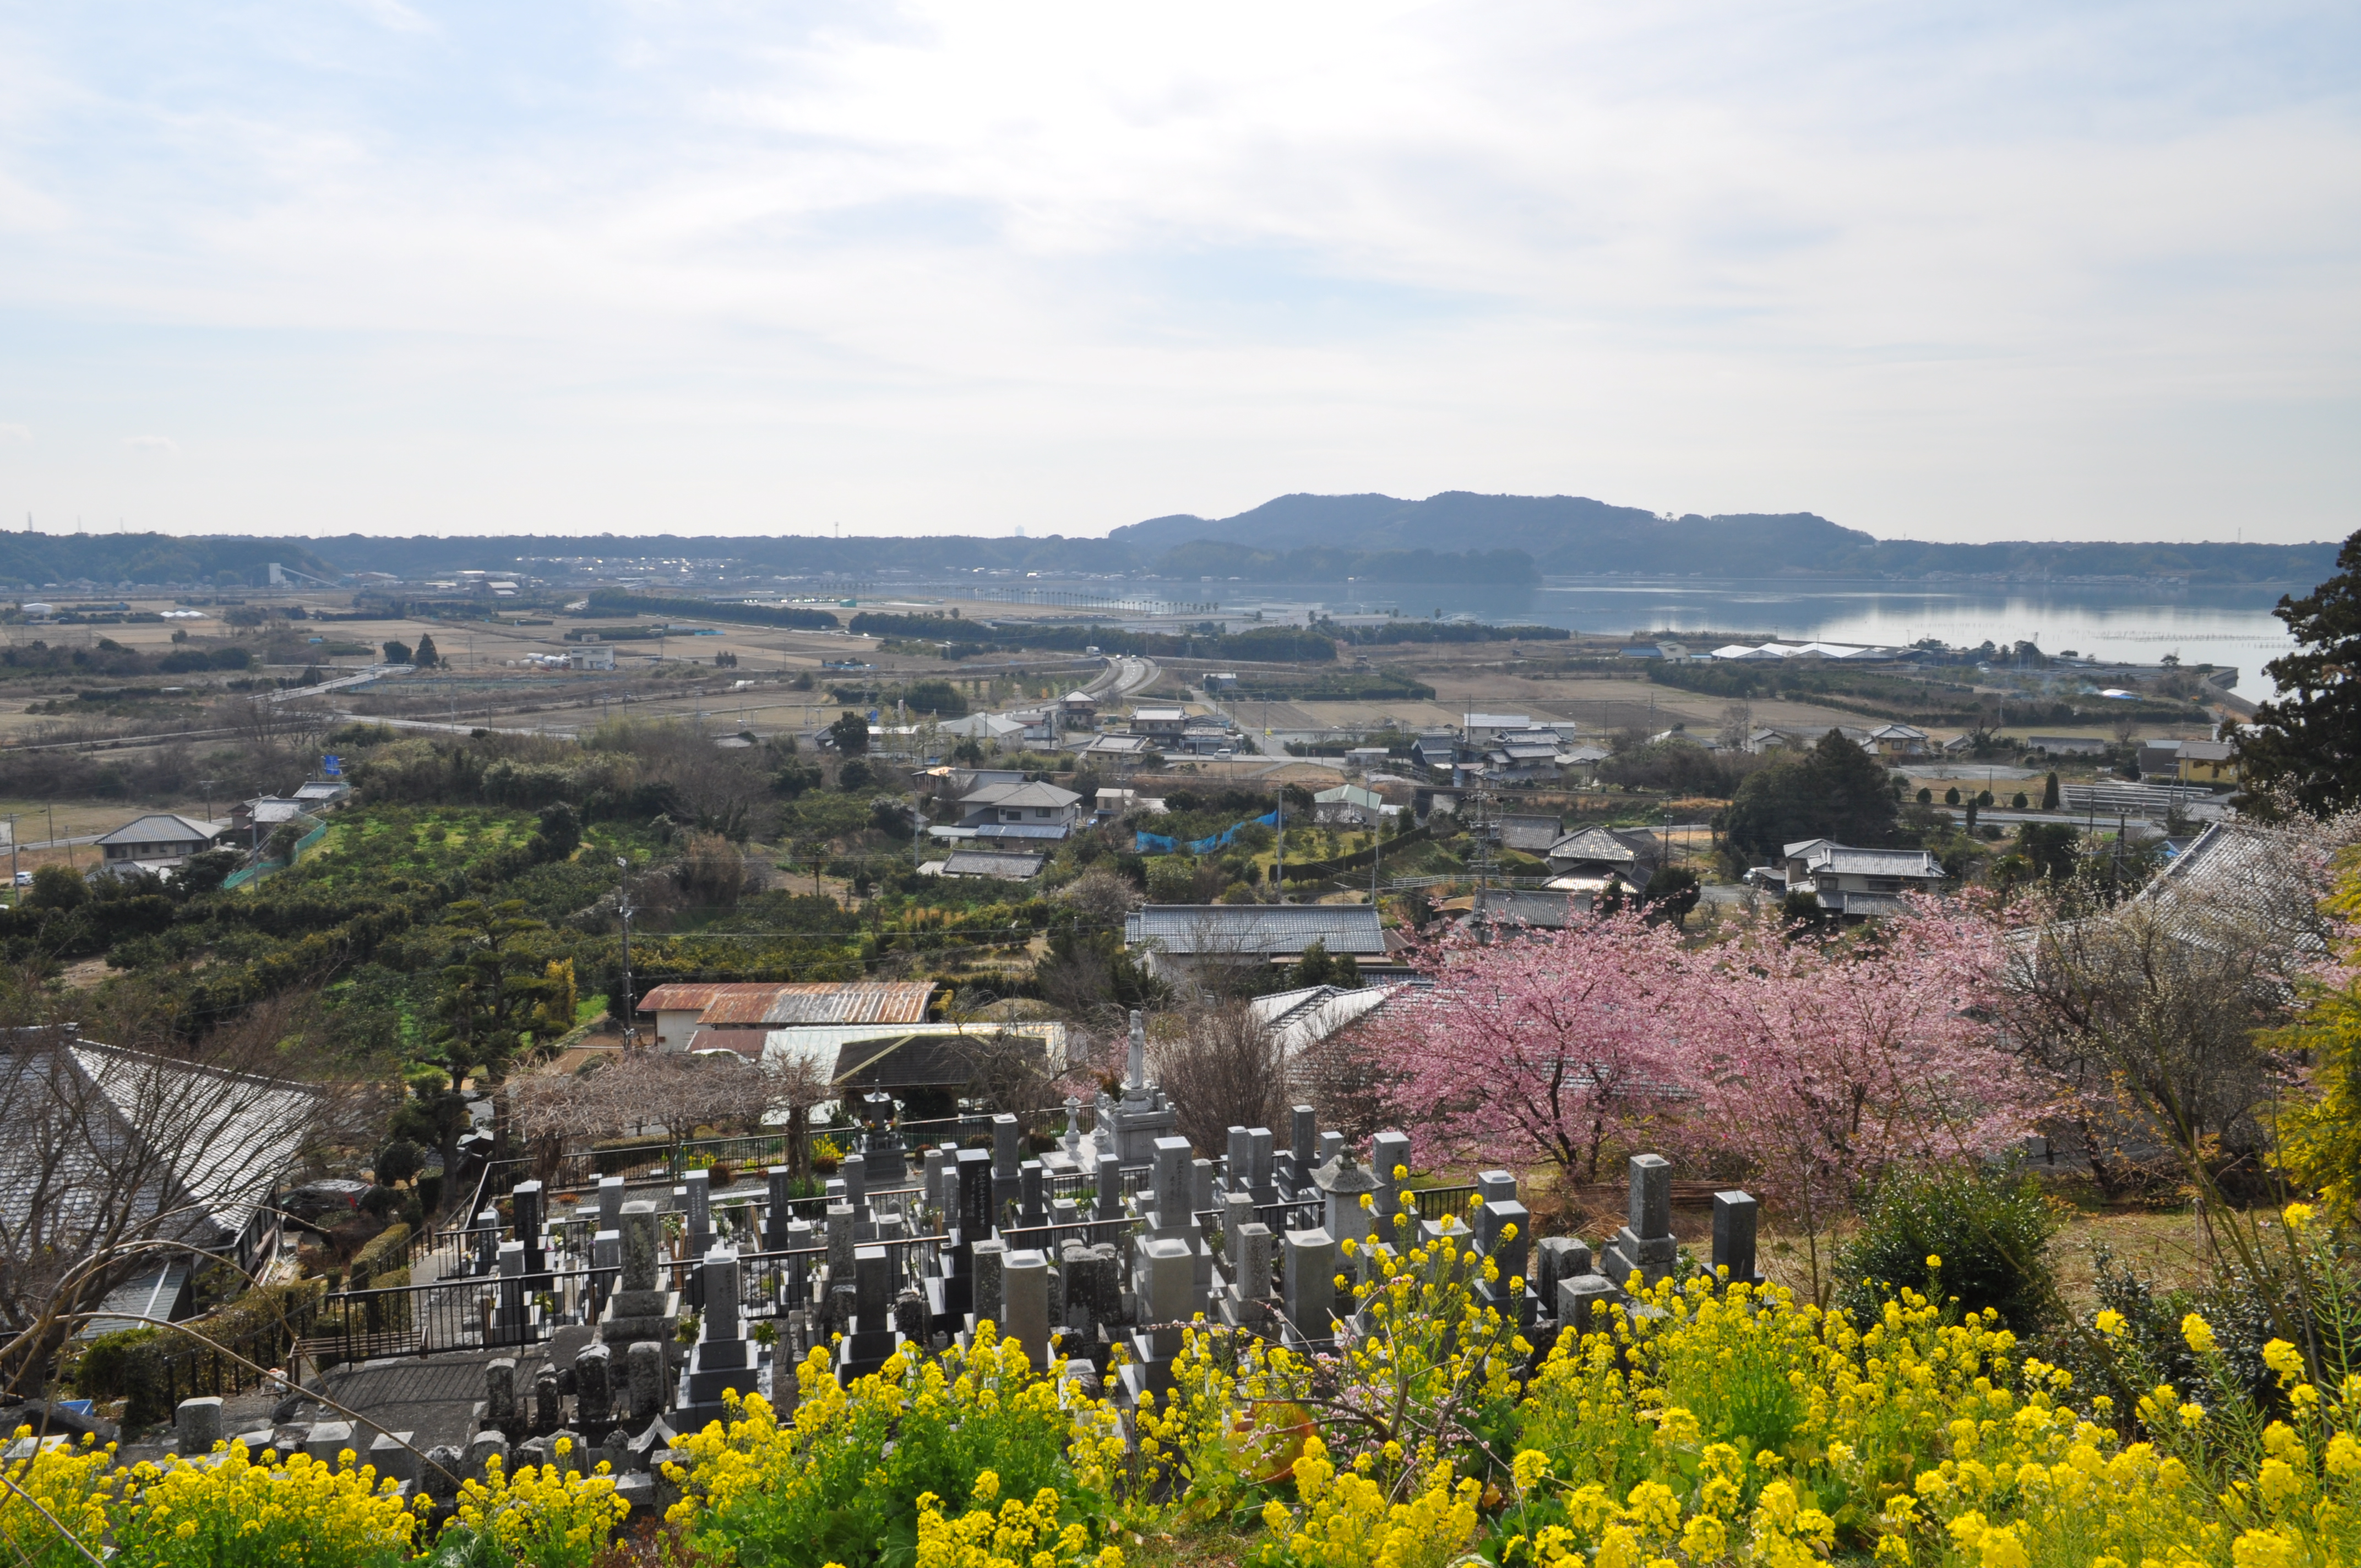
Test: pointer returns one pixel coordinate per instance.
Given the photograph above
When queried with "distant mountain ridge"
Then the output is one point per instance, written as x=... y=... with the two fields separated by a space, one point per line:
x=1457 y=537
x=1576 y=536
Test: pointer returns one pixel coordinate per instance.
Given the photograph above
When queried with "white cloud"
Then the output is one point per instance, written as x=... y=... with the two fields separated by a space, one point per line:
x=15 y=433
x=2024 y=269
x=152 y=445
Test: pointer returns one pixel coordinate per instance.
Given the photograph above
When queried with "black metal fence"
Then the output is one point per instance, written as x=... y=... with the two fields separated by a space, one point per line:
x=222 y=1368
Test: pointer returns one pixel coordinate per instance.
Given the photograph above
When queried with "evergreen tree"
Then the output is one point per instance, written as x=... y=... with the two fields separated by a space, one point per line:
x=426 y=657
x=2308 y=740
x=1835 y=790
x=2049 y=794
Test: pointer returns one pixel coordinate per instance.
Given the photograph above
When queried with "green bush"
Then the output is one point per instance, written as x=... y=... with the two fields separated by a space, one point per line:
x=100 y=1373
x=389 y=1249
x=255 y=1325
x=1991 y=1229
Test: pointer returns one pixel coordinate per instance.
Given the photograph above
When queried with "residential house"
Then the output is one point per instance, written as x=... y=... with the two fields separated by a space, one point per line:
x=1079 y=710
x=1583 y=757
x=1586 y=861
x=1802 y=737
x=1853 y=883
x=2159 y=759
x=1360 y=758
x=1898 y=741
x=1531 y=835
x=1020 y=866
x=1435 y=749
x=1479 y=727
x=1030 y=810
x=1542 y=911
x=1298 y=1020
x=1183 y=941
x=173 y=1150
x=1162 y=725
x=161 y=840
x=2208 y=762
x=1121 y=753
x=591 y=656
x=1521 y=755
x=935 y=1063
x=319 y=794
x=702 y=1016
x=1347 y=806
x=1116 y=802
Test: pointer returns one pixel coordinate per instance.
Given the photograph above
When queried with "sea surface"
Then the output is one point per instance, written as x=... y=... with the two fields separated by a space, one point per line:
x=2137 y=623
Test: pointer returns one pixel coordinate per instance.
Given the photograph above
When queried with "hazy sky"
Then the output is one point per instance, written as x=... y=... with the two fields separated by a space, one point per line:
x=1999 y=270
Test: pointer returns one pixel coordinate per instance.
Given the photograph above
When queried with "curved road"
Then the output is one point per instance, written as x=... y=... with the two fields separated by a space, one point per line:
x=1124 y=675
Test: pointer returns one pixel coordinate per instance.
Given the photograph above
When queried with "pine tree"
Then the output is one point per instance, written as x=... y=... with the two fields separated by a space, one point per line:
x=426 y=658
x=2049 y=794
x=2308 y=740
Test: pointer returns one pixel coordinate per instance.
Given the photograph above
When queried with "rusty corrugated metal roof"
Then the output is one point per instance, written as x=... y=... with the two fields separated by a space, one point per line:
x=680 y=998
x=854 y=1001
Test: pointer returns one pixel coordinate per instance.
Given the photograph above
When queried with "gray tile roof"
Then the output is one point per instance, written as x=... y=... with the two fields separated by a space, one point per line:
x=1256 y=927
x=1008 y=867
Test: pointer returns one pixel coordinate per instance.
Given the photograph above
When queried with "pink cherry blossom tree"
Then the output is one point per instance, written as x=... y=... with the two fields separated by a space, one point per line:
x=1539 y=1046
x=1817 y=1063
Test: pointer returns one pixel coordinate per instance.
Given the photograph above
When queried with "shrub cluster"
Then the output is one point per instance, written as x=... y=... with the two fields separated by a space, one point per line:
x=1718 y=1423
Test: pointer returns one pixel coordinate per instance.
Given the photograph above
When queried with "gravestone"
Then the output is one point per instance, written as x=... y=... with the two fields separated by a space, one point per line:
x=644 y=1367
x=1245 y=1299
x=390 y=1453
x=636 y=1310
x=197 y=1425
x=1734 y=1215
x=548 y=1411
x=445 y=1467
x=697 y=1200
x=990 y=1260
x=1110 y=1187
x=1645 y=1246
x=780 y=1212
x=1310 y=1286
x=1165 y=1275
x=329 y=1442
x=525 y=1206
x=1389 y=1153
x=853 y=1171
x=594 y=1386
x=499 y=1393
x=1007 y=1157
x=1029 y=1190
x=871 y=1338
x=610 y=1201
x=840 y=1242
x=1024 y=1292
x=722 y=1361
x=1304 y=1148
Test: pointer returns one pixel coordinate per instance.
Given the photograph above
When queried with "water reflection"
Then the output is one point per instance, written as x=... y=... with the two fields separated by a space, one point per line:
x=2207 y=624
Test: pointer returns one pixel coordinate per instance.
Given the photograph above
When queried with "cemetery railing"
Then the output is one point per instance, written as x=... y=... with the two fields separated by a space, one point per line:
x=204 y=1369
x=1434 y=1203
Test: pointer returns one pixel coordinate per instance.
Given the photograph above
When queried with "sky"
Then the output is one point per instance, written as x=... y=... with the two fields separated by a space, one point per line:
x=2006 y=271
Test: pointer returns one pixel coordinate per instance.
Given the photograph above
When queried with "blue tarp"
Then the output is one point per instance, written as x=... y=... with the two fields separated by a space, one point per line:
x=1157 y=844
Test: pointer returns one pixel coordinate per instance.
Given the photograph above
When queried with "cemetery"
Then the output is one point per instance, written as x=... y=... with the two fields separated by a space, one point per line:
x=1066 y=1350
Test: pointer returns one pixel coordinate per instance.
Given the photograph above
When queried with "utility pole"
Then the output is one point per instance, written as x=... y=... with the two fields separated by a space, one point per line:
x=1278 y=862
x=623 y=908
x=13 y=894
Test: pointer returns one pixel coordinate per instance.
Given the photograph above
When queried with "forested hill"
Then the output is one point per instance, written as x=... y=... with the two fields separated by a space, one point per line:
x=33 y=561
x=1572 y=536
x=1454 y=537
